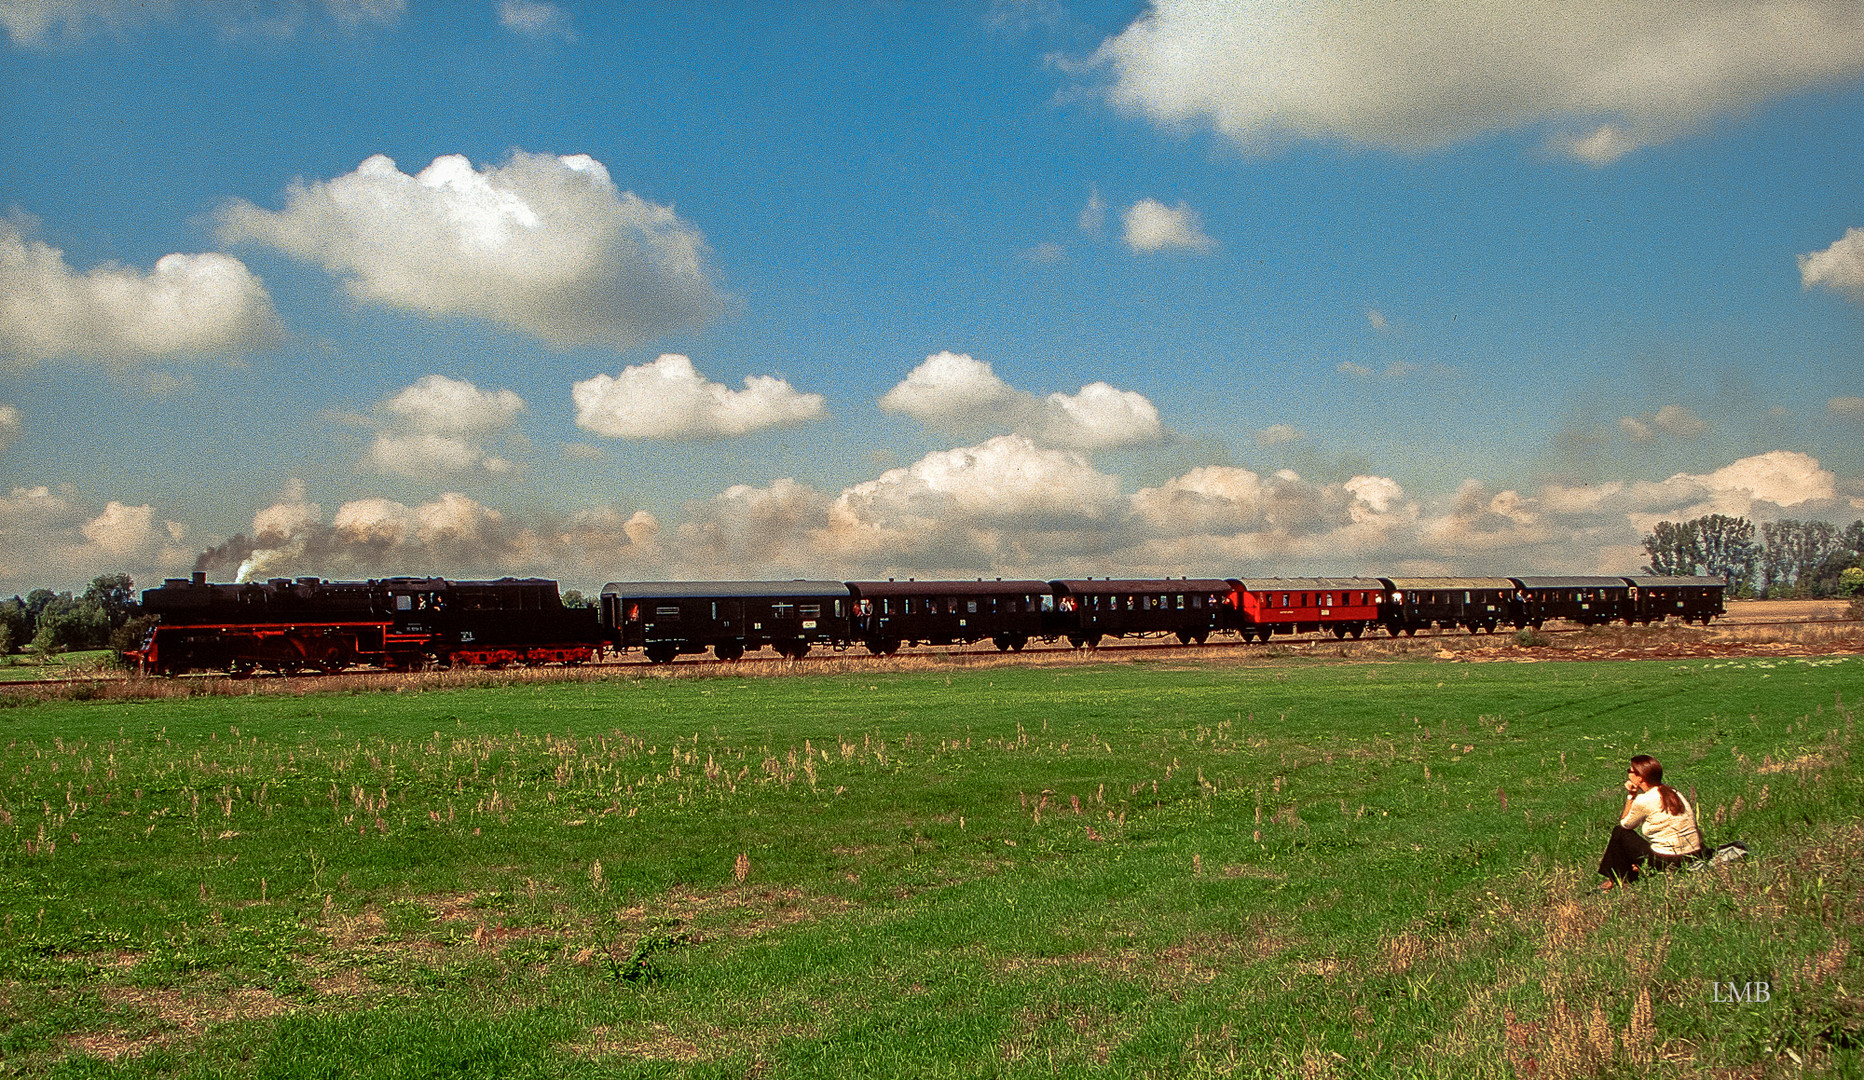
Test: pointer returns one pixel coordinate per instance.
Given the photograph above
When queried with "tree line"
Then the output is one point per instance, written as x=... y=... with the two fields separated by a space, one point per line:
x=104 y=616
x=1778 y=560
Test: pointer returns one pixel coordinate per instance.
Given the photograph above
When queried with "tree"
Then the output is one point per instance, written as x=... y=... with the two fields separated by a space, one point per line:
x=70 y=625
x=15 y=624
x=1674 y=549
x=573 y=598
x=1718 y=545
x=114 y=594
x=1727 y=548
x=1851 y=581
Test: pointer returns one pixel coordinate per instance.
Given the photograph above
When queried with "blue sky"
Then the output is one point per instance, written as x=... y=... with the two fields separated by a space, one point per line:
x=360 y=287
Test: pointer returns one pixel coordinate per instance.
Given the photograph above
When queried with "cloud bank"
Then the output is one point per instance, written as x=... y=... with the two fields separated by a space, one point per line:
x=187 y=306
x=545 y=245
x=1607 y=76
x=1010 y=507
x=669 y=399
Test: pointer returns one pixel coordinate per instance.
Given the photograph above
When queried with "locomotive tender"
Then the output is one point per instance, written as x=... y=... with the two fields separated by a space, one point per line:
x=407 y=623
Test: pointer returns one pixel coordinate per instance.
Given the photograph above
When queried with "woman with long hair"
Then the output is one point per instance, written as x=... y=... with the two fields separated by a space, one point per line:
x=1656 y=829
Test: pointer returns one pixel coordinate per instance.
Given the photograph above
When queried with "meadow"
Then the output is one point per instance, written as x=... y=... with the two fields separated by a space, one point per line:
x=1161 y=867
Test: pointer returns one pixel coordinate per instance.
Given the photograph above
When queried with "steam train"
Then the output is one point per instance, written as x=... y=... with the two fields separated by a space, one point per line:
x=306 y=624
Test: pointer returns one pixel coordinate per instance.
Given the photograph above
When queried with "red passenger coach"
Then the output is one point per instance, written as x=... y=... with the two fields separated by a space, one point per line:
x=1308 y=605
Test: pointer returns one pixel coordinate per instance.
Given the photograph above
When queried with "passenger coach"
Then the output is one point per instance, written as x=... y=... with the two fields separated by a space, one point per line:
x=1340 y=606
x=667 y=618
x=889 y=614
x=1192 y=609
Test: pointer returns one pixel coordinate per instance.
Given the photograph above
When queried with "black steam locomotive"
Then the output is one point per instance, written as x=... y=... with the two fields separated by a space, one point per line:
x=402 y=624
x=406 y=624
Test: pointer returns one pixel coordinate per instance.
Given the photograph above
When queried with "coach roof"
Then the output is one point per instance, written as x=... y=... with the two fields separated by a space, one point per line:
x=659 y=590
x=1427 y=583
x=1310 y=584
x=980 y=587
x=1144 y=585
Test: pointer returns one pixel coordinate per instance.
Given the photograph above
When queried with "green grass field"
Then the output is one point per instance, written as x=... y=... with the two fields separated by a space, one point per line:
x=88 y=663
x=1131 y=869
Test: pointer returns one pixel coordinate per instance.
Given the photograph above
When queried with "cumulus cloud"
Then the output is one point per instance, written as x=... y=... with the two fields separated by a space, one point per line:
x=41 y=22
x=1675 y=421
x=10 y=425
x=533 y=18
x=669 y=399
x=1839 y=267
x=1607 y=75
x=958 y=392
x=187 y=306
x=452 y=535
x=439 y=427
x=545 y=244
x=53 y=538
x=1153 y=226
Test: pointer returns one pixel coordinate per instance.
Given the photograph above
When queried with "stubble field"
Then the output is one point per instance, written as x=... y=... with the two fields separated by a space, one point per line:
x=1164 y=867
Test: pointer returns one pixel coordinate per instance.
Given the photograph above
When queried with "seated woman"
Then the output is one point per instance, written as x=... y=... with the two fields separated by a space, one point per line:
x=1657 y=827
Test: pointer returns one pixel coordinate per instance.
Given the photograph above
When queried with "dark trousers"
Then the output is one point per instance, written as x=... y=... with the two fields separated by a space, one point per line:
x=1627 y=851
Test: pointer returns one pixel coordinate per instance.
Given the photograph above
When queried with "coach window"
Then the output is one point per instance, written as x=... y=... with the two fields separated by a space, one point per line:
x=811 y=611
x=669 y=612
x=970 y=607
x=781 y=610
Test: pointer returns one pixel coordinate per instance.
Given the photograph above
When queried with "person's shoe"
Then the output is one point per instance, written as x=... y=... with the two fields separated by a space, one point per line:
x=1607 y=885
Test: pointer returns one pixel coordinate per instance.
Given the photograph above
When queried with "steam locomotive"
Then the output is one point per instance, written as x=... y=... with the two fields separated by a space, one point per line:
x=307 y=624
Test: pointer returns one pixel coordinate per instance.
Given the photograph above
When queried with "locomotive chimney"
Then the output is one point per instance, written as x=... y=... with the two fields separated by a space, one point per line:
x=200 y=577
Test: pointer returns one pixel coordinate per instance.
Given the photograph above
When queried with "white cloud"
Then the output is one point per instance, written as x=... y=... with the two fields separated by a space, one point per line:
x=545 y=244
x=1153 y=226
x=1376 y=319
x=1783 y=477
x=1099 y=417
x=438 y=427
x=1358 y=371
x=10 y=425
x=1839 y=267
x=1277 y=434
x=948 y=387
x=446 y=406
x=533 y=18
x=1614 y=74
x=669 y=399
x=1676 y=421
x=54 y=539
x=1850 y=408
x=188 y=305
x=957 y=392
